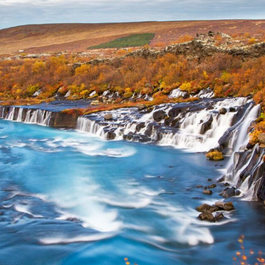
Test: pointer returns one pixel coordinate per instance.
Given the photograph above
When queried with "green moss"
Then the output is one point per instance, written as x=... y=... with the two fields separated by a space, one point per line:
x=129 y=41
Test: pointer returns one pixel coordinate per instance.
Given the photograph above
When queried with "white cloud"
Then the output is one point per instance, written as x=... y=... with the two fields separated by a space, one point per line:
x=21 y=12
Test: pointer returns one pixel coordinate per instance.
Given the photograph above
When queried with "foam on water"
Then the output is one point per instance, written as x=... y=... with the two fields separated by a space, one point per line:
x=64 y=240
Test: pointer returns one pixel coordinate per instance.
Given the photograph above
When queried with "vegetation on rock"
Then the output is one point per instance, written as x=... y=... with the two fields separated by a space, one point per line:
x=215 y=155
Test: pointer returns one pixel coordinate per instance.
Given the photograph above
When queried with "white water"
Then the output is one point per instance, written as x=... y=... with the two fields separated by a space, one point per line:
x=190 y=133
x=32 y=116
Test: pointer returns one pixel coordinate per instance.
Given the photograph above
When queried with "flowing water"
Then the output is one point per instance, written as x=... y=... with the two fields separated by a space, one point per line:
x=69 y=198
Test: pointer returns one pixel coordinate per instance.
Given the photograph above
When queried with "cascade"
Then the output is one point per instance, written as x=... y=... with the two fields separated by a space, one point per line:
x=196 y=125
x=26 y=115
x=86 y=125
x=244 y=165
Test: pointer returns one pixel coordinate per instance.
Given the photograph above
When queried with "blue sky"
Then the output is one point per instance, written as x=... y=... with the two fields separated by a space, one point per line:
x=21 y=12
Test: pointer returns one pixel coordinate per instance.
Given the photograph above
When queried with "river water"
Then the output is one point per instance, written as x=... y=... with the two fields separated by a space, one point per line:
x=69 y=198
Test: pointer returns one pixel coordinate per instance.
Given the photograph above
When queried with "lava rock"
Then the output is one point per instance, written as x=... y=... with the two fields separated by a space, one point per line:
x=206 y=216
x=108 y=116
x=207 y=192
x=229 y=192
x=111 y=135
x=232 y=109
x=222 y=111
x=249 y=146
x=226 y=206
x=206 y=207
x=203 y=207
x=218 y=217
x=212 y=186
x=159 y=115
x=140 y=126
x=206 y=125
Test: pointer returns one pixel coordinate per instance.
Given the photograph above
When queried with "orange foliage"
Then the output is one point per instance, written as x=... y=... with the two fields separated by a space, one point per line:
x=227 y=75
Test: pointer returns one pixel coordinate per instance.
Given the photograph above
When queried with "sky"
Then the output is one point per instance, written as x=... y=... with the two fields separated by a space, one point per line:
x=22 y=12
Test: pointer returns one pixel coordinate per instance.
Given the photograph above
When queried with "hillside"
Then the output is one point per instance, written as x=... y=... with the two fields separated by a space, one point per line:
x=77 y=37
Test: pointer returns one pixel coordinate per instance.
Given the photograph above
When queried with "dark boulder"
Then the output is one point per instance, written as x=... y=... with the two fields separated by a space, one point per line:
x=203 y=207
x=225 y=206
x=218 y=217
x=222 y=111
x=206 y=207
x=229 y=192
x=206 y=216
x=159 y=115
x=206 y=125
x=140 y=126
x=207 y=192
x=212 y=186
x=111 y=135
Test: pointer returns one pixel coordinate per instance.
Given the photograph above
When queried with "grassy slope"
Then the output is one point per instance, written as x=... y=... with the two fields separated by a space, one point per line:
x=130 y=41
x=77 y=37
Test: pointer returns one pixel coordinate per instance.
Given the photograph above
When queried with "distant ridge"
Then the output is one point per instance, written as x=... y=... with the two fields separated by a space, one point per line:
x=77 y=37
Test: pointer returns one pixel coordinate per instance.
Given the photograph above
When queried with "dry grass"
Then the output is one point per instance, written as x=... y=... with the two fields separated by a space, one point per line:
x=76 y=37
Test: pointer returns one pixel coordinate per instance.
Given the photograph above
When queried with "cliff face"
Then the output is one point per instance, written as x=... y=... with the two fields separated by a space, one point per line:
x=39 y=116
x=63 y=120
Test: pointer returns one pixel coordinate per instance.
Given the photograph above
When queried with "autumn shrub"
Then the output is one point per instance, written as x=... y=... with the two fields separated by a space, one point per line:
x=215 y=155
x=251 y=41
x=244 y=257
x=258 y=129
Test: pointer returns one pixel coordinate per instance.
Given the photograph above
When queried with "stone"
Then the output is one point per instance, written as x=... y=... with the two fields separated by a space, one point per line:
x=249 y=146
x=159 y=115
x=140 y=126
x=111 y=136
x=261 y=138
x=222 y=111
x=226 y=206
x=212 y=186
x=229 y=192
x=204 y=207
x=218 y=217
x=95 y=103
x=237 y=192
x=206 y=216
x=206 y=125
x=108 y=116
x=232 y=109
x=221 y=179
x=207 y=192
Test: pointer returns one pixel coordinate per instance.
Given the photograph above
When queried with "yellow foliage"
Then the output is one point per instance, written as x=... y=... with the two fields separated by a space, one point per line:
x=251 y=41
x=186 y=86
x=38 y=67
x=82 y=70
x=215 y=155
x=205 y=75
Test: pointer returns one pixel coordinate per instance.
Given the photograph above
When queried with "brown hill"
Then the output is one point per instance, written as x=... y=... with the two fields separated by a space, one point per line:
x=77 y=37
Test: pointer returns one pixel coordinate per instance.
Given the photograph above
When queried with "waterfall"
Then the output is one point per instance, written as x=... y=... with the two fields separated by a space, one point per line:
x=196 y=125
x=243 y=130
x=26 y=115
x=86 y=125
x=243 y=166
